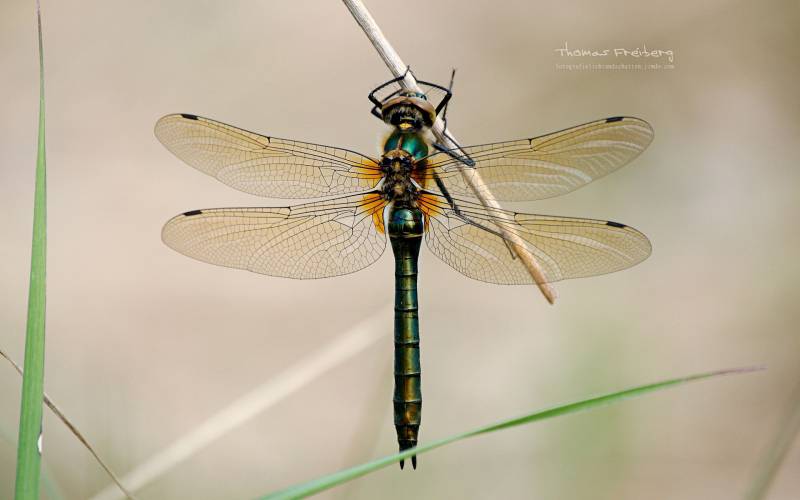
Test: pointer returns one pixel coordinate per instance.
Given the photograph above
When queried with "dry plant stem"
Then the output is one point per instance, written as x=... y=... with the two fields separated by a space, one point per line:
x=470 y=175
x=74 y=431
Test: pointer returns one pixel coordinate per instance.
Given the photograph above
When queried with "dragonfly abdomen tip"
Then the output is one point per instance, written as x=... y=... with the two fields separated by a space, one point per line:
x=413 y=462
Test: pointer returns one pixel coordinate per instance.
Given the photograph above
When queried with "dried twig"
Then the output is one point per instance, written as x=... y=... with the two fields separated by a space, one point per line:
x=445 y=137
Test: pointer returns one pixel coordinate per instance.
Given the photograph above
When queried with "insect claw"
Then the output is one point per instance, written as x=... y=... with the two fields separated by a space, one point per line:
x=414 y=461
x=402 y=463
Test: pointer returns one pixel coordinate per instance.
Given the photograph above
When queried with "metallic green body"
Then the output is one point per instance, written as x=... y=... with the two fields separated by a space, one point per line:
x=405 y=227
x=412 y=142
x=405 y=233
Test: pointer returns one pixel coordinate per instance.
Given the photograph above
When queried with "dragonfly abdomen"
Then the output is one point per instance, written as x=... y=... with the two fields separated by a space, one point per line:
x=405 y=233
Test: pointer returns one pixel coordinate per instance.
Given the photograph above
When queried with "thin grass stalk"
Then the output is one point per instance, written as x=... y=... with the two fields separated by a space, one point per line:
x=314 y=486
x=51 y=490
x=74 y=430
x=29 y=452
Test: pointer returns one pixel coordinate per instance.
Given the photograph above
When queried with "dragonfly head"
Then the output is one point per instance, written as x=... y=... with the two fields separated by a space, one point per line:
x=409 y=111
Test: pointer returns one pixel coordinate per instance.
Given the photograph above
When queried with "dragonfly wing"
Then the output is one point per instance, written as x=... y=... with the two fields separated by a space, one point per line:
x=469 y=241
x=312 y=240
x=546 y=166
x=265 y=166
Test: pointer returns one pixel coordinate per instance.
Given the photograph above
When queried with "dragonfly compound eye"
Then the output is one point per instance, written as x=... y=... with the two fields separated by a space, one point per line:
x=411 y=93
x=408 y=113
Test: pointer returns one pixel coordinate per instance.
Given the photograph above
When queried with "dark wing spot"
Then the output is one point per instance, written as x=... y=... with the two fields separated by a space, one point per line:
x=614 y=119
x=192 y=212
x=615 y=224
x=189 y=117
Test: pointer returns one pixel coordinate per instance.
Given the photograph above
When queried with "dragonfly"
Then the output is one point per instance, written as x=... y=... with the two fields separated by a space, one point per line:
x=413 y=191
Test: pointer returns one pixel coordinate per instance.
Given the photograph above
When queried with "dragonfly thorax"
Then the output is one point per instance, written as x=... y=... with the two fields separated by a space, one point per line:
x=397 y=166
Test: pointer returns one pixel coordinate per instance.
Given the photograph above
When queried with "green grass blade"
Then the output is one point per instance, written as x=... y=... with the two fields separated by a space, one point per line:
x=317 y=485
x=770 y=462
x=50 y=488
x=30 y=419
x=74 y=430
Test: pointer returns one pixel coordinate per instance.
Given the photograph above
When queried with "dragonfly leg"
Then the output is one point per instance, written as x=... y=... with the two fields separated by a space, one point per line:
x=446 y=99
x=465 y=159
x=452 y=203
x=376 y=104
x=452 y=152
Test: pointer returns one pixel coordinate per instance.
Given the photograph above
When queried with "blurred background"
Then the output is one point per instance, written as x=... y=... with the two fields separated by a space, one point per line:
x=145 y=344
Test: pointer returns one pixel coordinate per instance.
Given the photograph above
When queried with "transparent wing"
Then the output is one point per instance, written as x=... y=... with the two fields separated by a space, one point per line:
x=546 y=166
x=265 y=166
x=564 y=247
x=312 y=240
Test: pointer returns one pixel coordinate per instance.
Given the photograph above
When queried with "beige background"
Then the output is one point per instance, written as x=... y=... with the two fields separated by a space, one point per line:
x=144 y=344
